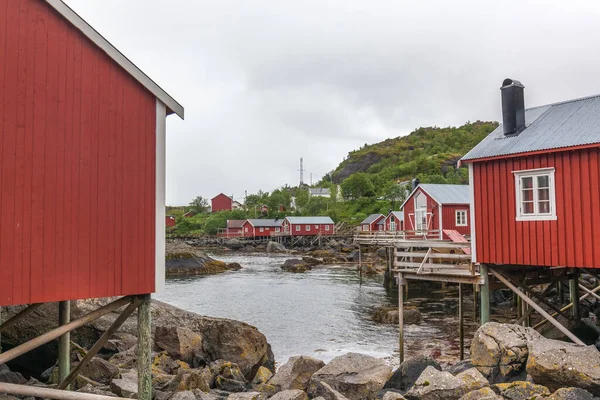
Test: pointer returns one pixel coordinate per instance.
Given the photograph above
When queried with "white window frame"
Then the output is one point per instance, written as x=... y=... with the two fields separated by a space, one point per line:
x=458 y=221
x=534 y=173
x=326 y=227
x=277 y=230
x=307 y=228
x=298 y=227
x=246 y=229
x=262 y=229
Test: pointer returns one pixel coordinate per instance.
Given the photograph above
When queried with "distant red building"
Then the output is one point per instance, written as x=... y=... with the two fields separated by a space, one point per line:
x=434 y=207
x=170 y=221
x=308 y=226
x=222 y=202
x=233 y=228
x=371 y=223
x=394 y=221
x=260 y=227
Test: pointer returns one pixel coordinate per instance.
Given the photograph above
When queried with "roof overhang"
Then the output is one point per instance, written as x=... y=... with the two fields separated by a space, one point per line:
x=412 y=194
x=173 y=107
x=530 y=153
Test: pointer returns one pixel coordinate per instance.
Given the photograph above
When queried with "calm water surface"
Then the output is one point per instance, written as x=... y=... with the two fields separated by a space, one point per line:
x=322 y=313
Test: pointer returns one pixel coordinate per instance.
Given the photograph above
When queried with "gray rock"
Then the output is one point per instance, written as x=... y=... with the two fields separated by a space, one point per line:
x=520 y=390
x=247 y=396
x=393 y=396
x=389 y=315
x=234 y=244
x=228 y=376
x=296 y=373
x=437 y=385
x=460 y=367
x=200 y=395
x=571 y=394
x=381 y=252
x=481 y=394
x=472 y=380
x=8 y=376
x=295 y=265
x=263 y=375
x=294 y=394
x=126 y=386
x=409 y=371
x=557 y=364
x=96 y=390
x=184 y=395
x=499 y=351
x=180 y=343
x=274 y=247
x=356 y=376
x=100 y=371
x=323 y=390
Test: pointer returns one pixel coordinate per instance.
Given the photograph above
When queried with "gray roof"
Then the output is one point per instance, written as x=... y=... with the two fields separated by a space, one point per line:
x=310 y=220
x=398 y=214
x=371 y=218
x=266 y=223
x=235 y=223
x=444 y=194
x=554 y=126
x=317 y=191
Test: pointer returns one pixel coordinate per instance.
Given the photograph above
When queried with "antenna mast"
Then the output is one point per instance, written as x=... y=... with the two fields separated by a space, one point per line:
x=301 y=172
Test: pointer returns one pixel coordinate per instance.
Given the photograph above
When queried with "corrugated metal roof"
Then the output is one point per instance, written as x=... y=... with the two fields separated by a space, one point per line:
x=371 y=218
x=398 y=214
x=235 y=223
x=567 y=124
x=444 y=194
x=310 y=220
x=265 y=223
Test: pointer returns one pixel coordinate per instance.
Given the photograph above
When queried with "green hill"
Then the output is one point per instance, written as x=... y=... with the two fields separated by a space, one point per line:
x=429 y=154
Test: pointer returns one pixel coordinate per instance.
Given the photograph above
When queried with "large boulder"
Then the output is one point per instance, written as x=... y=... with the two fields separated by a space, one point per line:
x=234 y=244
x=180 y=343
x=557 y=364
x=295 y=265
x=521 y=390
x=228 y=376
x=500 y=351
x=409 y=371
x=436 y=385
x=274 y=247
x=296 y=373
x=126 y=386
x=356 y=376
x=294 y=394
x=247 y=396
x=481 y=394
x=571 y=394
x=322 y=390
x=389 y=315
x=99 y=370
x=183 y=259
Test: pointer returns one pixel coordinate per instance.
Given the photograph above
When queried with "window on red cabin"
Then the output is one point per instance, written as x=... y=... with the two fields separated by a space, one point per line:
x=246 y=229
x=461 y=217
x=326 y=227
x=297 y=228
x=307 y=228
x=535 y=194
x=262 y=229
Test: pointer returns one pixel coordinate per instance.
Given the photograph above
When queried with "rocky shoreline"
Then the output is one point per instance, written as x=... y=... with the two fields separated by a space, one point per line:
x=202 y=358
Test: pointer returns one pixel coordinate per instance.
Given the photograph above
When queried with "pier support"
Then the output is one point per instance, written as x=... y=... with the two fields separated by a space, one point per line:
x=461 y=333
x=144 y=360
x=574 y=295
x=401 y=316
x=64 y=341
x=485 y=294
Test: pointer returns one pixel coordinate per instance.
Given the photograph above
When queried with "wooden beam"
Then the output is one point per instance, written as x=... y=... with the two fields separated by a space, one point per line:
x=19 y=316
x=45 y=393
x=574 y=296
x=589 y=292
x=61 y=330
x=565 y=308
x=64 y=341
x=539 y=309
x=101 y=342
x=144 y=359
x=484 y=308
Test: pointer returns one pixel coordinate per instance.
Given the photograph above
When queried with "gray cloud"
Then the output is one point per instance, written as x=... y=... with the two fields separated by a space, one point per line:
x=266 y=82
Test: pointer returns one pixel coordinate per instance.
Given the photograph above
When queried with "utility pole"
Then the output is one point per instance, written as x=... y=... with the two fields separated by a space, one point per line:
x=301 y=172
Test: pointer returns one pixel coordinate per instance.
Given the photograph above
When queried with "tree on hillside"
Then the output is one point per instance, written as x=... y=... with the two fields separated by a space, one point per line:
x=199 y=205
x=358 y=185
x=395 y=193
x=301 y=198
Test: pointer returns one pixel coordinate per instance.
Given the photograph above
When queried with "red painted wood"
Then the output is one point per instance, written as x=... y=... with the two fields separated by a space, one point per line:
x=221 y=202
x=313 y=229
x=570 y=241
x=449 y=218
x=77 y=159
x=448 y=214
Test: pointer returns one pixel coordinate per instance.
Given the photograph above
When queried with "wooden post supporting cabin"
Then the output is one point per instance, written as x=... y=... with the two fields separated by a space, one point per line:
x=561 y=295
x=144 y=349
x=475 y=295
x=485 y=294
x=461 y=334
x=401 y=317
x=64 y=341
x=574 y=295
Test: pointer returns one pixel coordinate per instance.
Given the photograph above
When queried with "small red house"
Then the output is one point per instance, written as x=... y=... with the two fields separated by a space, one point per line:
x=394 y=221
x=234 y=227
x=370 y=224
x=434 y=207
x=536 y=184
x=82 y=156
x=170 y=221
x=221 y=202
x=308 y=226
x=261 y=227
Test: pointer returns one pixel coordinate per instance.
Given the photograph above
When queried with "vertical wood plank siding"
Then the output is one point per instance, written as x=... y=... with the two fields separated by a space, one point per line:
x=77 y=165
x=449 y=218
x=573 y=240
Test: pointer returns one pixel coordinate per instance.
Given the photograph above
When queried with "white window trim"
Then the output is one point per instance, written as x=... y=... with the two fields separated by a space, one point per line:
x=307 y=228
x=534 y=173
x=464 y=219
x=298 y=227
x=326 y=227
x=262 y=229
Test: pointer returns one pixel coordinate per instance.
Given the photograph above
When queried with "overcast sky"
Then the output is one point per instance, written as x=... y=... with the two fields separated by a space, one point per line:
x=264 y=83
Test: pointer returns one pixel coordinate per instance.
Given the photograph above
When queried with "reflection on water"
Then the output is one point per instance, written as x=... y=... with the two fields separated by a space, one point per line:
x=322 y=313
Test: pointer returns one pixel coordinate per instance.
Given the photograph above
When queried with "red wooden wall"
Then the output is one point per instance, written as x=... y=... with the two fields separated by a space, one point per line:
x=409 y=208
x=573 y=240
x=399 y=225
x=77 y=165
x=449 y=217
x=314 y=229
x=221 y=202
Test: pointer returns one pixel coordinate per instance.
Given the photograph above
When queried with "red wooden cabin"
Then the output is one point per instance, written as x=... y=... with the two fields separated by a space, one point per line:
x=221 y=202
x=308 y=226
x=261 y=227
x=371 y=223
x=536 y=184
x=434 y=207
x=170 y=221
x=82 y=211
x=394 y=221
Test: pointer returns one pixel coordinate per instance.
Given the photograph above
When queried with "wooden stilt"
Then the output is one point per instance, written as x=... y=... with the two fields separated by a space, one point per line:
x=461 y=334
x=574 y=296
x=401 y=316
x=475 y=295
x=519 y=310
x=561 y=296
x=485 y=294
x=144 y=360
x=64 y=341
x=565 y=308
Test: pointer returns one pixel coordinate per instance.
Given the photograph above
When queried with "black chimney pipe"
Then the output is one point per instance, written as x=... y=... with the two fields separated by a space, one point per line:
x=513 y=106
x=415 y=182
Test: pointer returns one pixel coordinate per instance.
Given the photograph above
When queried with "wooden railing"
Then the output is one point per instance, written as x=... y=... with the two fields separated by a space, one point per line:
x=391 y=236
